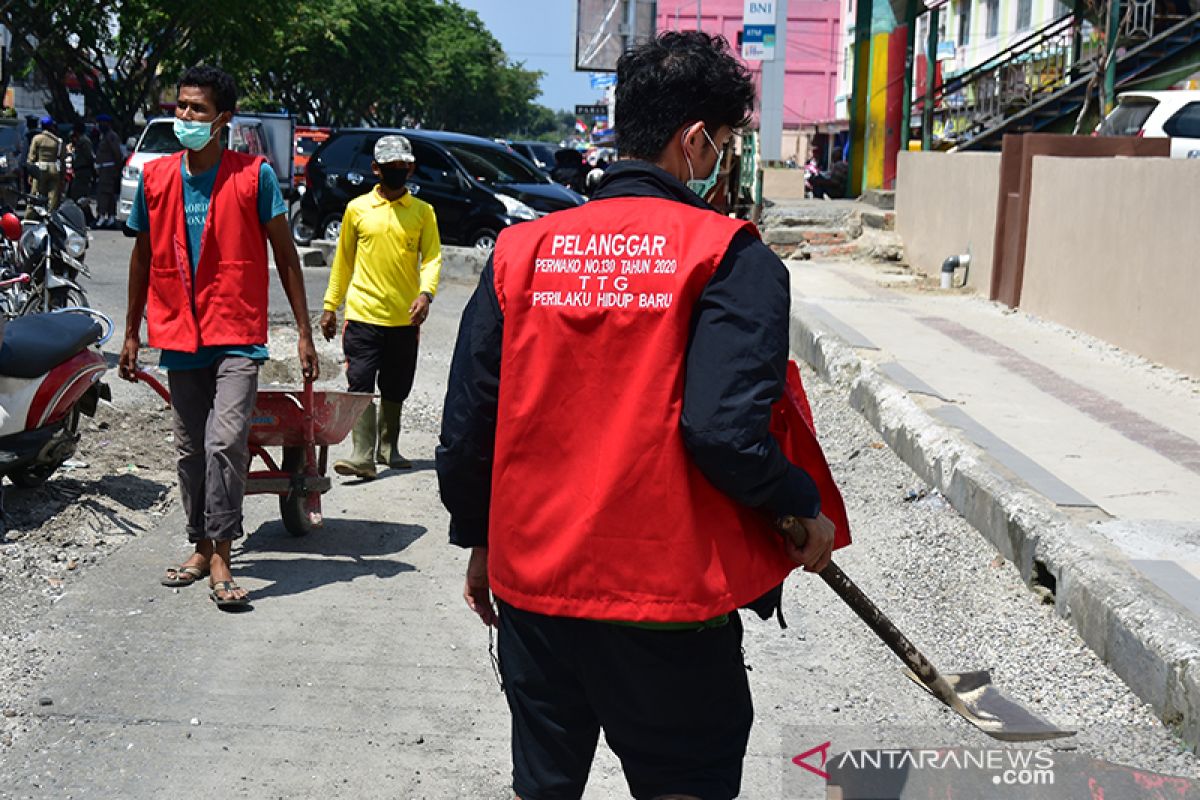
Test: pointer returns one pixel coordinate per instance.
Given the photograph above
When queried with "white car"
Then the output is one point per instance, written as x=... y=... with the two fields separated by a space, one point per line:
x=245 y=135
x=1158 y=115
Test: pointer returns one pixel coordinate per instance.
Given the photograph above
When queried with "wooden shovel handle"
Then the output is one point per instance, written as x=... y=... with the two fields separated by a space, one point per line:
x=876 y=620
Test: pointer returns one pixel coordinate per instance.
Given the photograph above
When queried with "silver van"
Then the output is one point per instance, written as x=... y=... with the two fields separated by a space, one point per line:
x=256 y=135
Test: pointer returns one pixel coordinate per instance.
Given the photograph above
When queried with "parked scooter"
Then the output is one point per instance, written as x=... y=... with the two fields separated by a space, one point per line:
x=50 y=371
x=51 y=253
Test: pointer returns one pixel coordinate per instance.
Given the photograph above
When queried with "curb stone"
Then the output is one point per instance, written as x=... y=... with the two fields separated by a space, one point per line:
x=1139 y=631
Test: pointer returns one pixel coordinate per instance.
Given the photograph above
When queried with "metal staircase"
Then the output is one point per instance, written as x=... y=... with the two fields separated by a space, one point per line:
x=1039 y=83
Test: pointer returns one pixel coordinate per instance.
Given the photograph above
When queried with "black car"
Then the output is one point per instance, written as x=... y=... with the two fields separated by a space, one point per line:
x=540 y=153
x=14 y=145
x=476 y=186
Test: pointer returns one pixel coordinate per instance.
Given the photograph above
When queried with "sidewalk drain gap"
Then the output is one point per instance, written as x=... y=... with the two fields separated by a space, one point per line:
x=1044 y=584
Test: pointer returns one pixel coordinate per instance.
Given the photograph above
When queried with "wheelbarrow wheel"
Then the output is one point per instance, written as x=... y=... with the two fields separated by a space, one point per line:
x=295 y=515
x=292 y=506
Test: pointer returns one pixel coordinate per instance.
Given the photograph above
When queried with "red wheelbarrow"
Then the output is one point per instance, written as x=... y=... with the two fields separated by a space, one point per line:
x=304 y=423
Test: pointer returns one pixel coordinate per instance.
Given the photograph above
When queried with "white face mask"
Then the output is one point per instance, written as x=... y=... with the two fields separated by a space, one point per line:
x=702 y=186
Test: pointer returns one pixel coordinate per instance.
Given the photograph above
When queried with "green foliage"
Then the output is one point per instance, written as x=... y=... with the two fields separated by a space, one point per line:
x=542 y=124
x=118 y=49
x=337 y=62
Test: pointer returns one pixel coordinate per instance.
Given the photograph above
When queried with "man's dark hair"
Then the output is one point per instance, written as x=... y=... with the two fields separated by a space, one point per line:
x=677 y=79
x=217 y=81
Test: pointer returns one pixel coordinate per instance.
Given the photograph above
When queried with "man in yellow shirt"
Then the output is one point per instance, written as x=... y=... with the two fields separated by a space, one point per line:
x=388 y=262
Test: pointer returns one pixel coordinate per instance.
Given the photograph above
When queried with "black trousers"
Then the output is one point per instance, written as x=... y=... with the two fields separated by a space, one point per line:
x=377 y=353
x=674 y=706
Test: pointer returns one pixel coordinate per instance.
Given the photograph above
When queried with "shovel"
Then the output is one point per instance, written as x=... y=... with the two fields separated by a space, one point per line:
x=970 y=694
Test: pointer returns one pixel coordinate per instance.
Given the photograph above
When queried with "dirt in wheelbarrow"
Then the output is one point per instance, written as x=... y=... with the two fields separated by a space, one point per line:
x=117 y=485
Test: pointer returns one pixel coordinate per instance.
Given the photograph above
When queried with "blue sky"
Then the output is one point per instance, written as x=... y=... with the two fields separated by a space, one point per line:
x=542 y=34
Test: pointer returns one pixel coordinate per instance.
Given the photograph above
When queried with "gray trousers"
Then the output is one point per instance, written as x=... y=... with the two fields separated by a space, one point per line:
x=212 y=423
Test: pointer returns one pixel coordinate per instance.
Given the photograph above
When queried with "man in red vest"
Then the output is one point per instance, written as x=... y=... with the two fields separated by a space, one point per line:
x=199 y=275
x=605 y=450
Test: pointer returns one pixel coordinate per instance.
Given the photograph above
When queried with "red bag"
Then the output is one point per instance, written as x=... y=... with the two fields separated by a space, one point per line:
x=792 y=427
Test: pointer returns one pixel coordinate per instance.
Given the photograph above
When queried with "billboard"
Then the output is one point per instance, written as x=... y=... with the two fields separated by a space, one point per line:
x=604 y=28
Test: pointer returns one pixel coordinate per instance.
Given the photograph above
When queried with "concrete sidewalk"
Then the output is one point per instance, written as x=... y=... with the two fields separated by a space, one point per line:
x=1081 y=463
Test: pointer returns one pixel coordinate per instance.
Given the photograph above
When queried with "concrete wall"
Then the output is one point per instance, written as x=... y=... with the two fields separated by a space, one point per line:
x=1112 y=251
x=945 y=205
x=783 y=184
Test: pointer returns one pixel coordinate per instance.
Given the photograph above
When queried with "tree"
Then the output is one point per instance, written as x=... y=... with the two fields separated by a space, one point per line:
x=345 y=62
x=116 y=50
x=340 y=62
x=1098 y=11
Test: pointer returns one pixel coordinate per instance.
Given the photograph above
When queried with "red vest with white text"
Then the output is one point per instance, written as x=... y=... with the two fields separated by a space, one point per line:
x=597 y=509
x=226 y=302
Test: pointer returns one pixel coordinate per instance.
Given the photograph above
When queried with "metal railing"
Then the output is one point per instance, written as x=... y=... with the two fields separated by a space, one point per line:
x=1008 y=82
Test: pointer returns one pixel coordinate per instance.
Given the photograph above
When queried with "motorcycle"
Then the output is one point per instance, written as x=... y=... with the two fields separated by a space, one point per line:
x=50 y=373
x=51 y=253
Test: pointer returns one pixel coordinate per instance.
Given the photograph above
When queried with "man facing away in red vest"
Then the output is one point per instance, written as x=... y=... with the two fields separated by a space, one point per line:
x=605 y=450
x=199 y=274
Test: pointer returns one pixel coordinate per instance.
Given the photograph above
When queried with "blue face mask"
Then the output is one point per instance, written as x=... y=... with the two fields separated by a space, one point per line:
x=193 y=135
x=702 y=186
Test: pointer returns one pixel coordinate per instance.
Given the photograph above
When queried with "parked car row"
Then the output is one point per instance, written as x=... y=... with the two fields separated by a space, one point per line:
x=476 y=186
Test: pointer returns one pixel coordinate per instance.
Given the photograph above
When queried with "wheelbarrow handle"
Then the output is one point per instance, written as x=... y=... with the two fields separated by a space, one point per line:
x=876 y=620
x=145 y=377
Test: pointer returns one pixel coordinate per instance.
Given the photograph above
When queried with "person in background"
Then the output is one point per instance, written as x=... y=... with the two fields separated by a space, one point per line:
x=46 y=152
x=83 y=163
x=570 y=169
x=110 y=158
x=387 y=267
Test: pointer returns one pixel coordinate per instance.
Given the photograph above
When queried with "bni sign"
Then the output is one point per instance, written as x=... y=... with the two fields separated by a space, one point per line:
x=758 y=30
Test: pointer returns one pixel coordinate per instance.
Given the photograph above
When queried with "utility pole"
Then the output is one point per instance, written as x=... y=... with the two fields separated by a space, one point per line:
x=630 y=24
x=910 y=49
x=774 y=74
x=931 y=63
x=1077 y=9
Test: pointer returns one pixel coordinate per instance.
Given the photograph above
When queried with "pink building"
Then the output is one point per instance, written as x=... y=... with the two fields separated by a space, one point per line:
x=813 y=49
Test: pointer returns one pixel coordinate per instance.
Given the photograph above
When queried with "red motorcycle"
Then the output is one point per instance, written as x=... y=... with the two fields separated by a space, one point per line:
x=50 y=371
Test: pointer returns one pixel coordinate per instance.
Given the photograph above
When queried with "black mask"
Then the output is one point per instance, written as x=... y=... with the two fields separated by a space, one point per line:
x=393 y=177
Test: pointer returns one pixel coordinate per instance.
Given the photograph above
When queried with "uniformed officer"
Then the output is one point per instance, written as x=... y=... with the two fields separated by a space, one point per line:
x=46 y=153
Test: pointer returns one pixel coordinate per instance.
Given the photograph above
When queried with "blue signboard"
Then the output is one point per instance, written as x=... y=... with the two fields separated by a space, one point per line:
x=758 y=42
x=603 y=80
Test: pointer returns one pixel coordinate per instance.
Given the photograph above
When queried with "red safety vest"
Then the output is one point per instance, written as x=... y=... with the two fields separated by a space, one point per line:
x=226 y=303
x=597 y=509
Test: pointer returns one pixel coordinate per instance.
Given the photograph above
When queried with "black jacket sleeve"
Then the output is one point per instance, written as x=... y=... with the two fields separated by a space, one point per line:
x=736 y=370
x=468 y=439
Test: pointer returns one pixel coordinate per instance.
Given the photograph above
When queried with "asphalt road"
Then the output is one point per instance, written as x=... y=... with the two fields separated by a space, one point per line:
x=359 y=673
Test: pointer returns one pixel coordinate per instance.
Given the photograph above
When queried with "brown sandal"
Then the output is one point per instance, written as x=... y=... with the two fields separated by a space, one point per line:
x=227 y=602
x=184 y=575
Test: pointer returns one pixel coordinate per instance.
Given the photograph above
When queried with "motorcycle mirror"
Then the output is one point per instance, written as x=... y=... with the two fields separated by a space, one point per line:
x=11 y=226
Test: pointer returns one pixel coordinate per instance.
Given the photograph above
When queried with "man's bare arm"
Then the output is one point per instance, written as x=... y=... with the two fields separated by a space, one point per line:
x=139 y=285
x=287 y=262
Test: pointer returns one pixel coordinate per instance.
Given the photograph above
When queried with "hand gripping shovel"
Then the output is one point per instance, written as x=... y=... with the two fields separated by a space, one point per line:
x=971 y=694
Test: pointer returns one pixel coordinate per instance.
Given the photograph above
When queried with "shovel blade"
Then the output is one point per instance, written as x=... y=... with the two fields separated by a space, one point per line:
x=989 y=709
